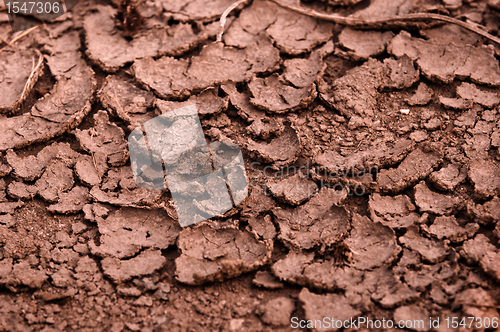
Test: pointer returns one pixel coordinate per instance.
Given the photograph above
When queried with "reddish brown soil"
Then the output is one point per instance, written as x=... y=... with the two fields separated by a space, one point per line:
x=372 y=159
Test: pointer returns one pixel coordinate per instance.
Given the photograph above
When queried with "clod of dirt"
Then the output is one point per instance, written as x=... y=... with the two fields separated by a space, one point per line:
x=444 y=62
x=430 y=250
x=294 y=190
x=214 y=254
x=356 y=91
x=31 y=167
x=241 y=101
x=447 y=178
x=86 y=171
x=57 y=178
x=455 y=103
x=317 y=307
x=277 y=311
x=490 y=263
x=370 y=244
x=127 y=231
x=207 y=103
x=318 y=223
x=293 y=33
x=471 y=92
x=381 y=9
x=413 y=313
x=432 y=202
x=16 y=66
x=296 y=34
x=145 y=263
x=137 y=197
x=64 y=58
x=109 y=49
x=361 y=45
x=473 y=250
x=196 y=10
x=281 y=151
x=423 y=95
x=57 y=112
x=416 y=166
x=395 y=212
x=126 y=100
x=266 y=127
x=380 y=153
x=448 y=228
x=72 y=201
x=216 y=64
x=266 y=280
x=261 y=227
x=485 y=175
x=399 y=74
x=294 y=89
x=105 y=141
x=487 y=213
x=10 y=207
x=23 y=274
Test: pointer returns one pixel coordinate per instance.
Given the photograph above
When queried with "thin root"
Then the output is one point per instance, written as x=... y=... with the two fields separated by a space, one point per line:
x=33 y=77
x=400 y=20
x=19 y=36
x=224 y=16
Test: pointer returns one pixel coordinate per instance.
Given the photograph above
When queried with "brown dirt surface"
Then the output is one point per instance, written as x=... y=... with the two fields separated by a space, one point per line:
x=372 y=159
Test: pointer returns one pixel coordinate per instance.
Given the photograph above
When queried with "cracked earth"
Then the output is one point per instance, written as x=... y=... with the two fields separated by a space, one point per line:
x=372 y=158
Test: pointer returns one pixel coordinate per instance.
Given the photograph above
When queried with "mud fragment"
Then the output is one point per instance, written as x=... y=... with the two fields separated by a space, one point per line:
x=127 y=231
x=473 y=250
x=317 y=307
x=145 y=263
x=413 y=313
x=432 y=202
x=72 y=201
x=196 y=10
x=430 y=250
x=485 y=175
x=106 y=141
x=86 y=171
x=486 y=213
x=281 y=151
x=241 y=101
x=395 y=212
x=108 y=48
x=448 y=228
x=355 y=92
x=399 y=74
x=361 y=45
x=370 y=244
x=294 y=190
x=216 y=64
x=469 y=91
x=490 y=263
x=447 y=178
x=277 y=311
x=294 y=89
x=422 y=96
x=16 y=66
x=416 y=166
x=318 y=223
x=207 y=103
x=127 y=101
x=266 y=280
x=214 y=254
x=60 y=110
x=444 y=62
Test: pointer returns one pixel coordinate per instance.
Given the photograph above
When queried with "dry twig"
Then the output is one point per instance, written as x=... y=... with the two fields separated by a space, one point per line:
x=224 y=16
x=33 y=77
x=400 y=20
x=19 y=36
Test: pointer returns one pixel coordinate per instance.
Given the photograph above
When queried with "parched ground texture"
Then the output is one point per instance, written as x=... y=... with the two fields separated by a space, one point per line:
x=372 y=160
